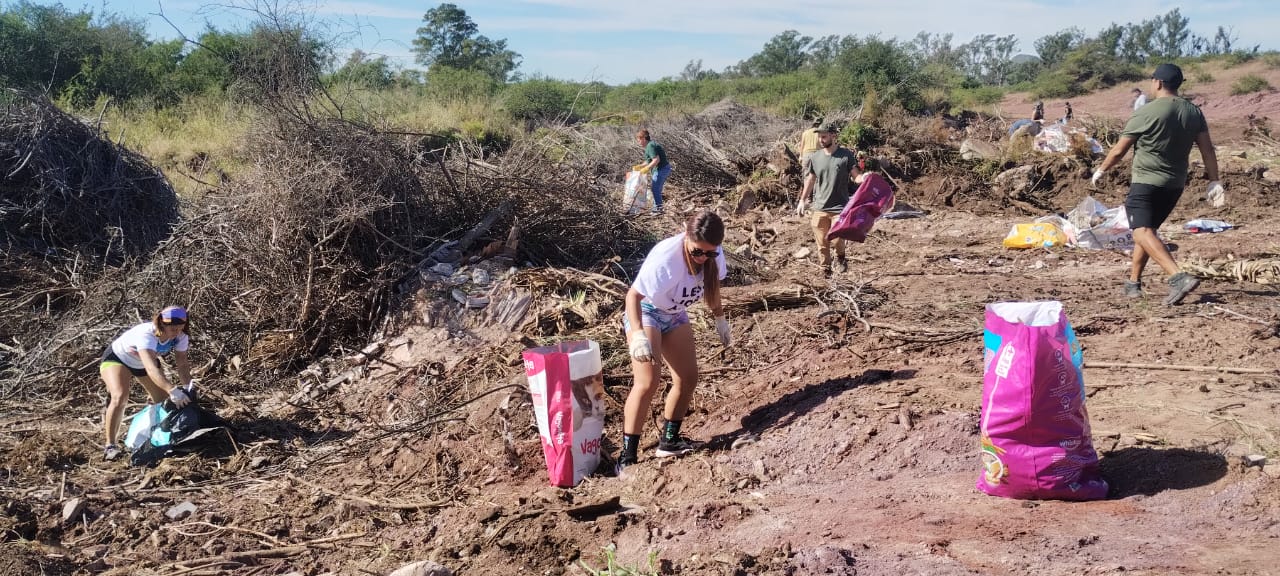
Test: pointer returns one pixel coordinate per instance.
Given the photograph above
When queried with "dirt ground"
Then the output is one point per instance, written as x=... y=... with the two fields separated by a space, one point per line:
x=842 y=440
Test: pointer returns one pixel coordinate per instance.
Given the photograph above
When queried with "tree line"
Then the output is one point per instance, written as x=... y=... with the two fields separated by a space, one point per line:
x=78 y=58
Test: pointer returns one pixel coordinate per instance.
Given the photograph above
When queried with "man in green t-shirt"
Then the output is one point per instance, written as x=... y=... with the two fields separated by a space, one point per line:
x=655 y=162
x=829 y=180
x=1161 y=134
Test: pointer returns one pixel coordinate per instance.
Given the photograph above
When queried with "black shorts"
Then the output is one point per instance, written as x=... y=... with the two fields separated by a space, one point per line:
x=109 y=356
x=1148 y=206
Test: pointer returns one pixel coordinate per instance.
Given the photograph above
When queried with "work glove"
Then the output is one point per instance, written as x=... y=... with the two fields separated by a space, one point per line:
x=640 y=168
x=722 y=328
x=1097 y=175
x=800 y=208
x=641 y=351
x=1216 y=194
x=179 y=397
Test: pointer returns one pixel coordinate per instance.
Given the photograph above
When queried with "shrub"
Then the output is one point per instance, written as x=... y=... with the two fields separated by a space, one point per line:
x=1271 y=59
x=1248 y=84
x=539 y=100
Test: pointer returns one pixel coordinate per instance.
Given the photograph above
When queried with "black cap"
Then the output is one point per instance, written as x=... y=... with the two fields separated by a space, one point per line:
x=1168 y=73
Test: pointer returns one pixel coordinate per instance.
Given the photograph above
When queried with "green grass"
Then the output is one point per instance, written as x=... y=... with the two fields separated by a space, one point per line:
x=613 y=568
x=1248 y=84
x=175 y=139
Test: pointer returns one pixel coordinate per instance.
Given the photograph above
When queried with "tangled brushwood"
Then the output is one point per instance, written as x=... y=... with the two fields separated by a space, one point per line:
x=72 y=204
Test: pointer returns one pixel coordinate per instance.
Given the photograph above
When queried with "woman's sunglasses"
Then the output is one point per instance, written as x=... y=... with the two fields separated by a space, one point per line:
x=698 y=253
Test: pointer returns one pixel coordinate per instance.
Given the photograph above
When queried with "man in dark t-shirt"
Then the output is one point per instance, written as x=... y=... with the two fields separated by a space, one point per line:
x=1161 y=134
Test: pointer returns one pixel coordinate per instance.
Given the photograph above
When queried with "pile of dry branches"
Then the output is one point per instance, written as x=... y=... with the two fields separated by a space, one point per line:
x=72 y=203
x=69 y=188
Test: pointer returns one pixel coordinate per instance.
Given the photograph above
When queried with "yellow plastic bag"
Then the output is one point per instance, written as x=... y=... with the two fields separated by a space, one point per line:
x=1035 y=235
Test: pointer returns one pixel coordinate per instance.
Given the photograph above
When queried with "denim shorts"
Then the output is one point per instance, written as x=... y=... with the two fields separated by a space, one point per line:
x=653 y=317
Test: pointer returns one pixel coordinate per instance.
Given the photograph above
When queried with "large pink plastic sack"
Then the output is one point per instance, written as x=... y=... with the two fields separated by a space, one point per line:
x=873 y=198
x=567 y=385
x=1036 y=442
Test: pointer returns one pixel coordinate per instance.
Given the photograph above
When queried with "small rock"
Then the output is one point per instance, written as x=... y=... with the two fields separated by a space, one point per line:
x=422 y=568
x=181 y=511
x=743 y=441
x=257 y=461
x=1204 y=387
x=1255 y=460
x=759 y=471
x=480 y=276
x=801 y=253
x=72 y=510
x=443 y=269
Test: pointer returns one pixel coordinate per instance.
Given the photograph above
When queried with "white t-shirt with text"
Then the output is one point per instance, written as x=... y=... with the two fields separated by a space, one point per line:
x=664 y=278
x=143 y=337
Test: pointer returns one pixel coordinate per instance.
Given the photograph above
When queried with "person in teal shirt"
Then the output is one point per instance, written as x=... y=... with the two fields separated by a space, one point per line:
x=656 y=163
x=1161 y=133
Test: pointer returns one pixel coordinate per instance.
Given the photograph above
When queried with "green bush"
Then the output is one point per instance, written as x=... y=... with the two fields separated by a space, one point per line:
x=453 y=85
x=1248 y=84
x=1239 y=57
x=539 y=100
x=1271 y=59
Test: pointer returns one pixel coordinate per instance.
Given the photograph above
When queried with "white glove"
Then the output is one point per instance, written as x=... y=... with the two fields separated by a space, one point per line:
x=179 y=397
x=1097 y=175
x=641 y=351
x=722 y=328
x=1216 y=194
x=800 y=208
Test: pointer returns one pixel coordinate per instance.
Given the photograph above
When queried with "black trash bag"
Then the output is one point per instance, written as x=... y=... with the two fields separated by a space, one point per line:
x=187 y=430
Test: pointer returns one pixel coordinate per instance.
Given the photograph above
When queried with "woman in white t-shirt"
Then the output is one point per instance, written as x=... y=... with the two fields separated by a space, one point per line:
x=678 y=272
x=136 y=354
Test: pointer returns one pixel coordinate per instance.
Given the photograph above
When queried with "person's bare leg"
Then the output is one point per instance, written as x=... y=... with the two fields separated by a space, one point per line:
x=117 y=378
x=645 y=379
x=682 y=359
x=1154 y=248
x=1138 y=262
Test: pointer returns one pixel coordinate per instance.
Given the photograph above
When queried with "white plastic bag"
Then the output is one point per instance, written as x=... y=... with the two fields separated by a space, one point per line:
x=1096 y=227
x=638 y=196
x=143 y=424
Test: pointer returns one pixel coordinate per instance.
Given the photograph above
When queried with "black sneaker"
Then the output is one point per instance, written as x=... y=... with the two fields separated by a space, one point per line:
x=679 y=446
x=111 y=452
x=1180 y=285
x=621 y=465
x=1132 y=289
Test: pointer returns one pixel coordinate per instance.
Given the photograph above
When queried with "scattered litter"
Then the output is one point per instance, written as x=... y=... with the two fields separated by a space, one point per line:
x=1206 y=226
x=800 y=254
x=1255 y=460
x=1035 y=235
x=903 y=214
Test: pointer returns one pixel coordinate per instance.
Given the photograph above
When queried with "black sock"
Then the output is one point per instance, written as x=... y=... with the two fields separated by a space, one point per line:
x=630 y=446
x=671 y=430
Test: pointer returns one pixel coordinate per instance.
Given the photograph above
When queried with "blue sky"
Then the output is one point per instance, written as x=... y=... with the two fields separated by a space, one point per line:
x=622 y=41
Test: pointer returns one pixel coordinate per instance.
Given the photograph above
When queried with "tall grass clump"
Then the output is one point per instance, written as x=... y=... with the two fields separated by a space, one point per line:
x=1248 y=84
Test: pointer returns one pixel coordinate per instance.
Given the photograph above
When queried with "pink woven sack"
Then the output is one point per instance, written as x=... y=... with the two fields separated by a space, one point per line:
x=873 y=198
x=1036 y=442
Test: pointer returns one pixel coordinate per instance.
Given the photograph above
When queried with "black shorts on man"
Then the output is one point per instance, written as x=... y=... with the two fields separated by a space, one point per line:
x=1148 y=205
